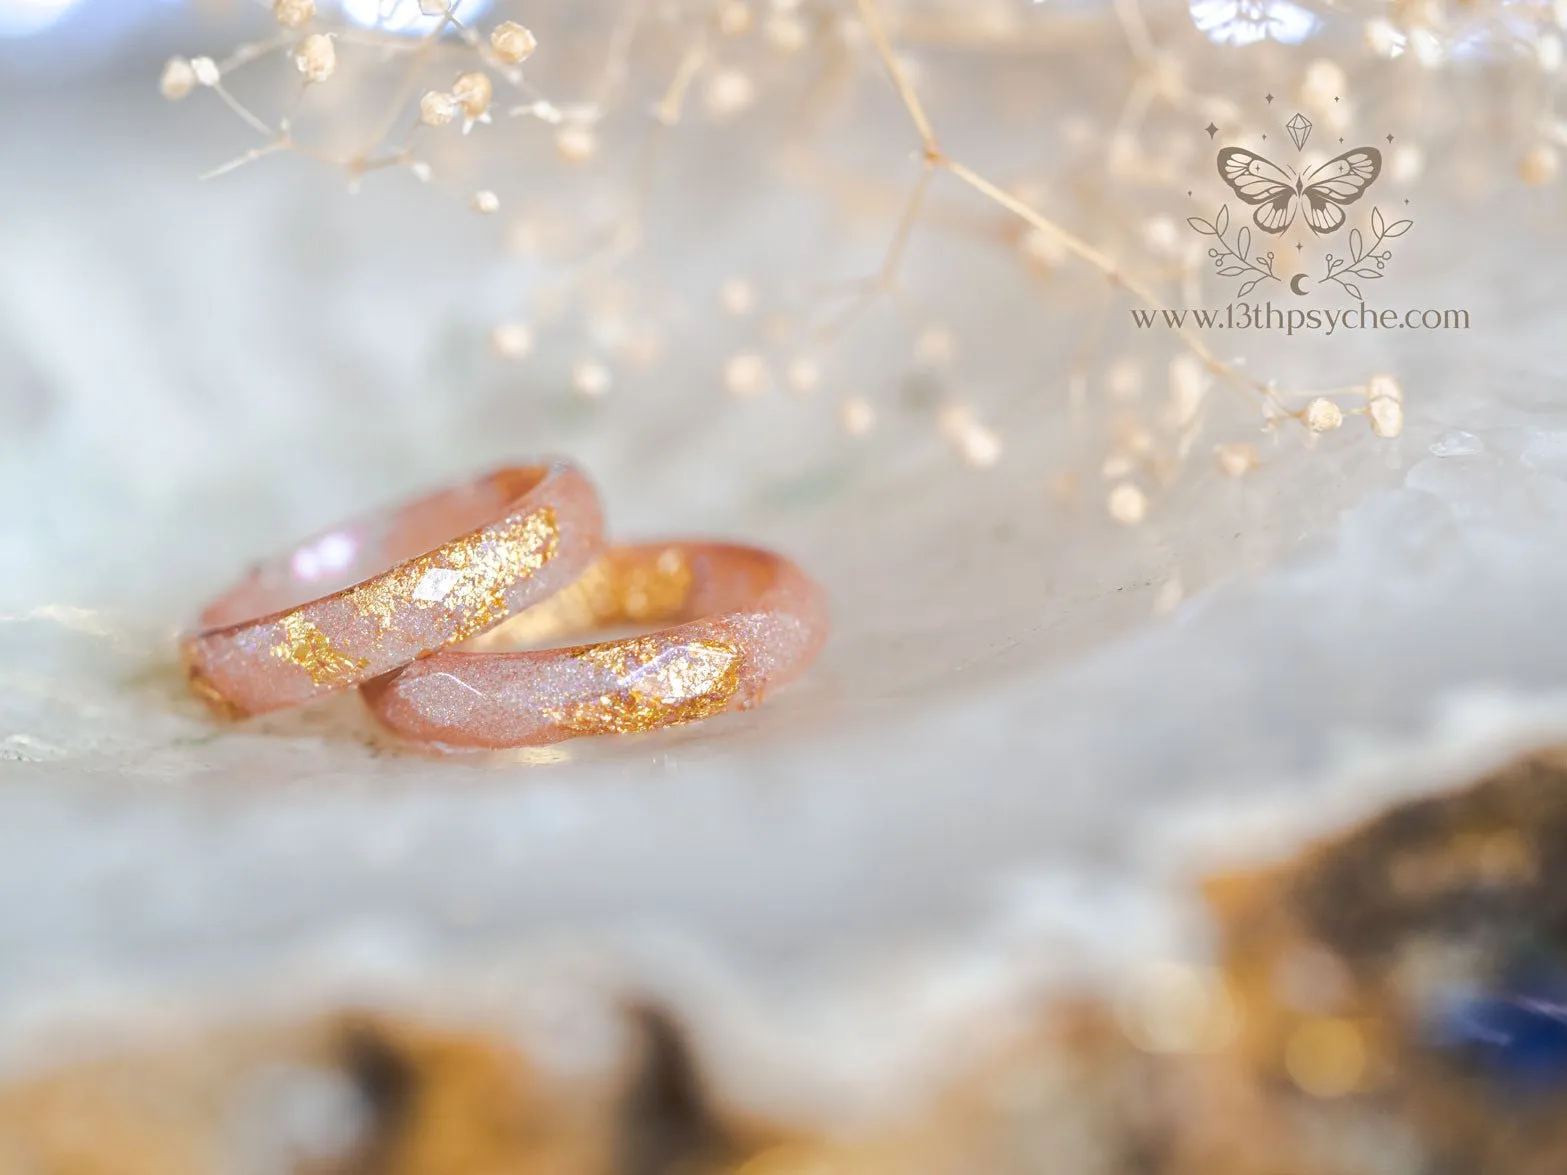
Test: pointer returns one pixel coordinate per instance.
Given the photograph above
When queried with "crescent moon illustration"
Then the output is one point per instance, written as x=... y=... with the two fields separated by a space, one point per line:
x=1295 y=284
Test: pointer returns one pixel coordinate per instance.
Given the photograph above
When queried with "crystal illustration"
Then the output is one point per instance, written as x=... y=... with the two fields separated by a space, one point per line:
x=1299 y=128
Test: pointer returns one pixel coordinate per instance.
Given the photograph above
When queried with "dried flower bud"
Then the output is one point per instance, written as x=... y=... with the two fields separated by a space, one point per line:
x=486 y=202
x=1387 y=417
x=1236 y=458
x=511 y=340
x=729 y=92
x=316 y=57
x=804 y=375
x=437 y=109
x=576 y=143
x=474 y=91
x=1539 y=166
x=737 y=296
x=178 y=79
x=590 y=378
x=513 y=43
x=1127 y=504
x=734 y=18
x=746 y=375
x=978 y=445
x=1323 y=415
x=857 y=416
x=292 y=14
x=786 y=32
x=1384 y=386
x=206 y=71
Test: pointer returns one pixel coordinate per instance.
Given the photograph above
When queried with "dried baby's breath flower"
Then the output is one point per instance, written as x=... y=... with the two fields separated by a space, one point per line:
x=1384 y=386
x=512 y=340
x=746 y=375
x=734 y=18
x=474 y=92
x=512 y=42
x=803 y=375
x=293 y=14
x=857 y=416
x=486 y=202
x=1323 y=415
x=178 y=79
x=206 y=71
x=437 y=109
x=590 y=378
x=1236 y=458
x=729 y=93
x=1387 y=417
x=737 y=296
x=786 y=32
x=1127 y=504
x=316 y=57
x=1539 y=166
x=576 y=142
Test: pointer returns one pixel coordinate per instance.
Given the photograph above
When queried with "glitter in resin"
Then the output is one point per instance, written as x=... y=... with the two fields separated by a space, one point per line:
x=660 y=685
x=468 y=577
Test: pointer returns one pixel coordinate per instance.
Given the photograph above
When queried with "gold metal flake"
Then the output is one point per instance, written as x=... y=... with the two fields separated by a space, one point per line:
x=467 y=578
x=308 y=647
x=620 y=588
x=659 y=685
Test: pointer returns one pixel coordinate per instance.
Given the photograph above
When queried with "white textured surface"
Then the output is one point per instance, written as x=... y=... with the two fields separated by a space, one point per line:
x=993 y=775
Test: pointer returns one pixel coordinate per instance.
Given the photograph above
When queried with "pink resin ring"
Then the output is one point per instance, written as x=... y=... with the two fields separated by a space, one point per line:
x=373 y=595
x=748 y=620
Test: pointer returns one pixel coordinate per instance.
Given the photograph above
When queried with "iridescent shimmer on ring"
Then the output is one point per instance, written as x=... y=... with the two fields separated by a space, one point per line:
x=305 y=645
x=468 y=577
x=660 y=685
x=376 y=593
x=732 y=623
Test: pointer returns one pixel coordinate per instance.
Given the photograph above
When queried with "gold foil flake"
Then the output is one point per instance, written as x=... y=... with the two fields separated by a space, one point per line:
x=659 y=685
x=203 y=689
x=307 y=646
x=467 y=578
x=635 y=587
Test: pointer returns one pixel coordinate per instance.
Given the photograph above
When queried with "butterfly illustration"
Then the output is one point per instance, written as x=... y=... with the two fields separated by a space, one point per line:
x=1280 y=193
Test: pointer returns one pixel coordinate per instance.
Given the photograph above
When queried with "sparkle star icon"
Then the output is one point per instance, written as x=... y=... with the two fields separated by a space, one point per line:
x=1390 y=138
x=1298 y=246
x=1211 y=129
x=1270 y=99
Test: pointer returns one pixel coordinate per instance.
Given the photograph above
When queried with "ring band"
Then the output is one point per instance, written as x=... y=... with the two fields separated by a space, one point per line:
x=370 y=596
x=749 y=620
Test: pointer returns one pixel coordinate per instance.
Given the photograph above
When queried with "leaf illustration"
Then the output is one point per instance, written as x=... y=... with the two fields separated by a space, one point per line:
x=1243 y=242
x=1247 y=288
x=1366 y=271
x=1398 y=228
x=1353 y=290
x=1221 y=223
x=1232 y=271
x=1354 y=244
x=1378 y=226
x=1201 y=226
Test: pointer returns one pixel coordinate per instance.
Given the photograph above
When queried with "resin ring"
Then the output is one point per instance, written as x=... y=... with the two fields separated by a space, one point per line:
x=372 y=595
x=748 y=620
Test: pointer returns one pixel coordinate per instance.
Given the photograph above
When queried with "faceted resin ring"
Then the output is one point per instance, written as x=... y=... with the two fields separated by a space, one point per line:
x=375 y=594
x=746 y=620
